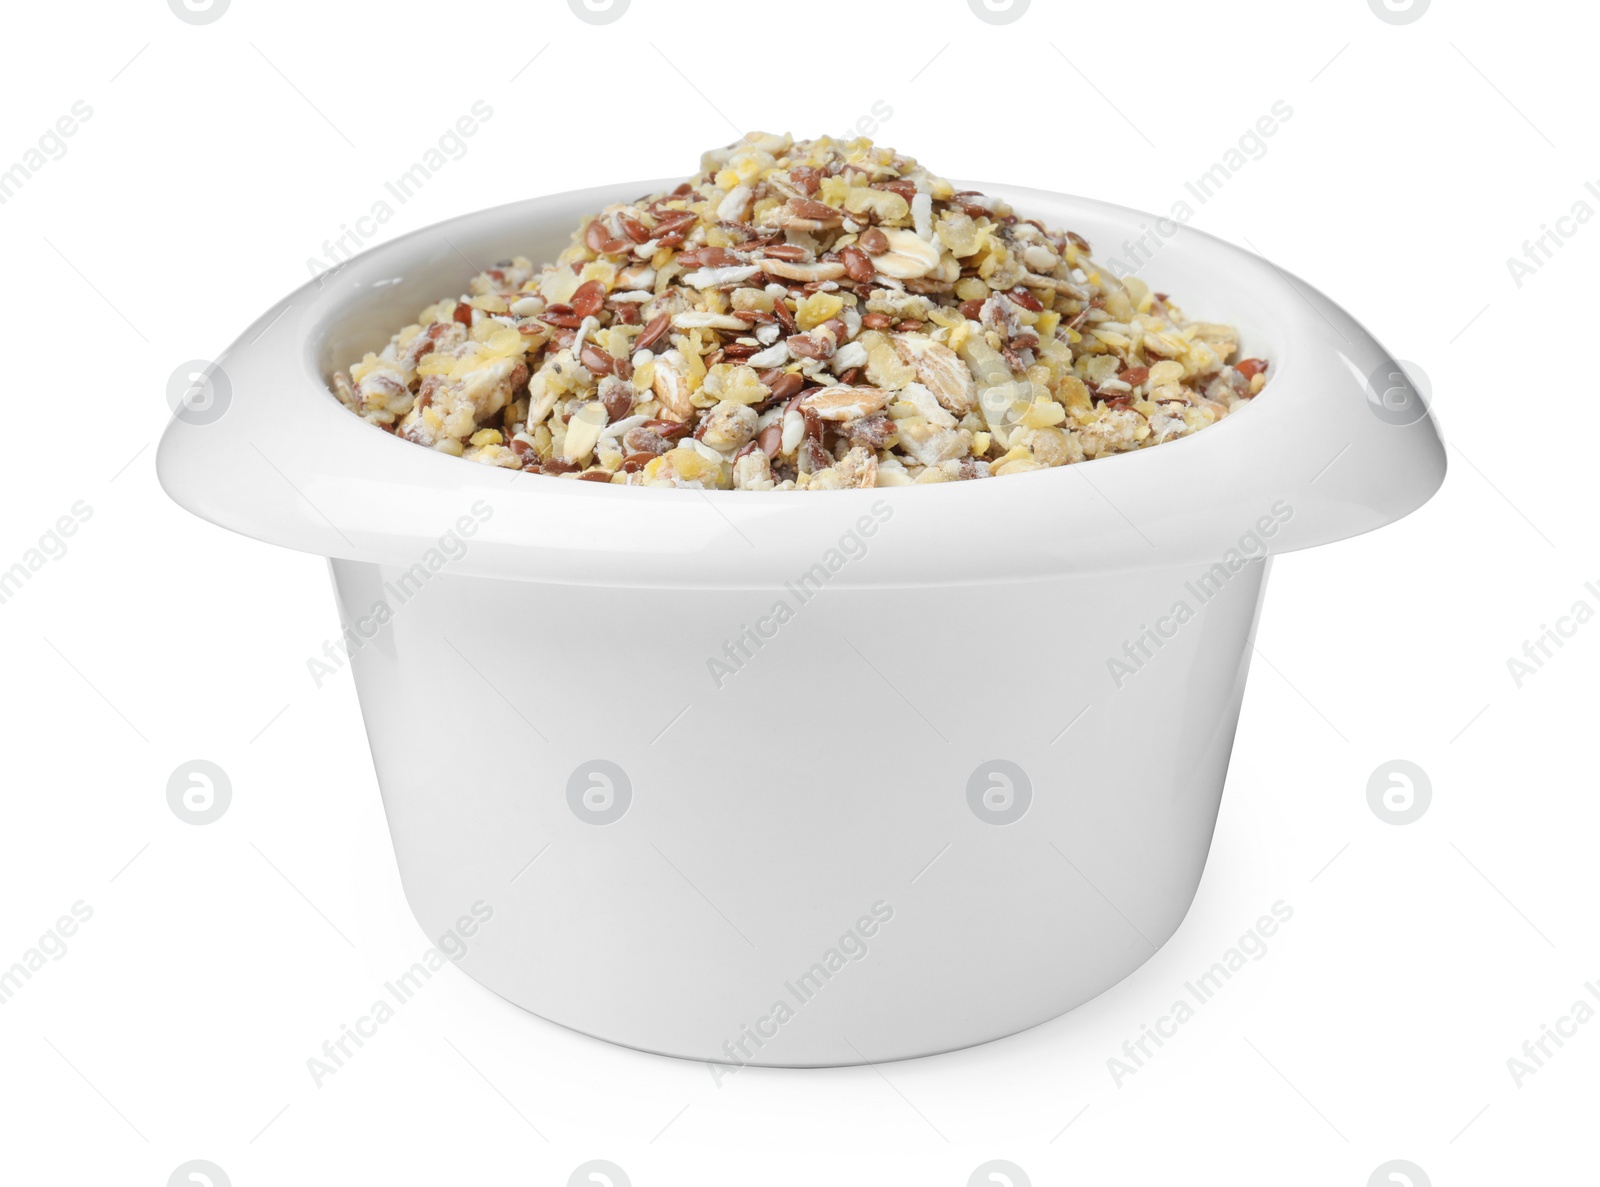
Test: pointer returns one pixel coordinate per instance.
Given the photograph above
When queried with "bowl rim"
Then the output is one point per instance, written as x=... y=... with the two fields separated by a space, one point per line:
x=277 y=464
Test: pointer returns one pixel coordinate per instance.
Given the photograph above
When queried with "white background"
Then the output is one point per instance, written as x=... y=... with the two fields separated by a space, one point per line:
x=218 y=160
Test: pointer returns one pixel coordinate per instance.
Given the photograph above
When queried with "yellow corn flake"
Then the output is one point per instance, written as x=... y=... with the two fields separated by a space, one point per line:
x=487 y=437
x=554 y=383
x=558 y=286
x=1201 y=359
x=364 y=368
x=689 y=346
x=505 y=341
x=1165 y=372
x=749 y=167
x=489 y=303
x=889 y=206
x=1058 y=356
x=684 y=463
x=970 y=288
x=1118 y=305
x=886 y=369
x=834 y=190
x=1099 y=368
x=435 y=364
x=690 y=463
x=1074 y=395
x=1043 y=414
x=601 y=270
x=1014 y=462
x=735 y=382
x=818 y=308
x=960 y=234
x=1020 y=466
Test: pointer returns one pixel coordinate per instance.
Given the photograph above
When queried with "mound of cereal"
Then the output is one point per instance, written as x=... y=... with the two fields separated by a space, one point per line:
x=802 y=315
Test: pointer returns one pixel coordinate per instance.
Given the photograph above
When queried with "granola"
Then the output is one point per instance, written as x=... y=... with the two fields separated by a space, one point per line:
x=803 y=315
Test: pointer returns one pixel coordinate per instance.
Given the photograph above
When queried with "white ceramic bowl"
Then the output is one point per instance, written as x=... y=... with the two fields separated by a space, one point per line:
x=965 y=781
